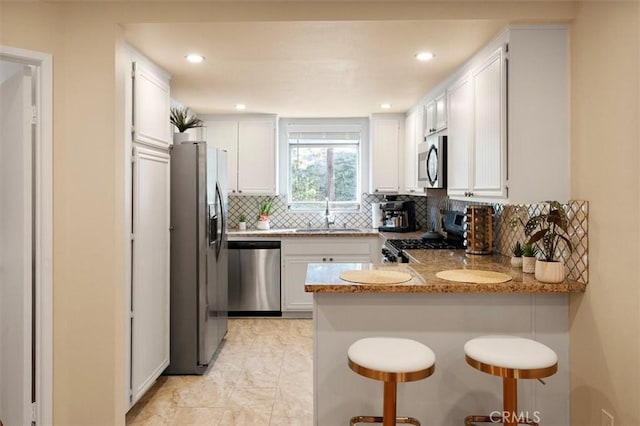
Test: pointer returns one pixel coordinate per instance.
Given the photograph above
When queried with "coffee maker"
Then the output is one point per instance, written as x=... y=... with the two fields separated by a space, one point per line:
x=398 y=216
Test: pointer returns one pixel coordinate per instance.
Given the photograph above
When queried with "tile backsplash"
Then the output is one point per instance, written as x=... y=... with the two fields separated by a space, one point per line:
x=429 y=212
x=284 y=218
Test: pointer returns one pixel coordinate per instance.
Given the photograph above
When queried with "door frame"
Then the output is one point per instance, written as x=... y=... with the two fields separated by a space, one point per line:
x=43 y=174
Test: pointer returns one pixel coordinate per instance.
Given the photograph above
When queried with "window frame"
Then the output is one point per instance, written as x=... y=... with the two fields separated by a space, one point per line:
x=360 y=125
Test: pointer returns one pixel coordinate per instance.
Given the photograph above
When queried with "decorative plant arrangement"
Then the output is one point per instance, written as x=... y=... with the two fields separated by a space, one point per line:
x=516 y=258
x=264 y=211
x=242 y=222
x=529 y=253
x=547 y=231
x=183 y=120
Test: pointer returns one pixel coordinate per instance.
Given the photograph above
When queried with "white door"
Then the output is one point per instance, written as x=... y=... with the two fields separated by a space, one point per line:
x=460 y=137
x=16 y=260
x=150 y=271
x=384 y=163
x=150 y=108
x=489 y=112
x=224 y=135
x=256 y=157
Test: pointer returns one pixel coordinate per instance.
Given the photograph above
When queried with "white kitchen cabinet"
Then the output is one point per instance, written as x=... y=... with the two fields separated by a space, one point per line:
x=489 y=142
x=251 y=152
x=149 y=304
x=150 y=106
x=224 y=135
x=386 y=136
x=517 y=146
x=413 y=135
x=435 y=114
x=476 y=161
x=297 y=253
x=460 y=136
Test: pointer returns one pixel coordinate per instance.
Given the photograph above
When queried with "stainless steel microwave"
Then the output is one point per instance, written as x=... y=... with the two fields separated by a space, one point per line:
x=432 y=162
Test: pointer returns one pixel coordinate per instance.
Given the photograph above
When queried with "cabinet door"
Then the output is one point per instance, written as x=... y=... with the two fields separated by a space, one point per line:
x=441 y=112
x=294 y=297
x=224 y=135
x=150 y=108
x=256 y=157
x=489 y=157
x=460 y=136
x=430 y=117
x=150 y=269
x=385 y=156
x=412 y=123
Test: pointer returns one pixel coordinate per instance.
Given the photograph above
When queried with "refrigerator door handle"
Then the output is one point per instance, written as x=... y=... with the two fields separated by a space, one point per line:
x=213 y=225
x=223 y=225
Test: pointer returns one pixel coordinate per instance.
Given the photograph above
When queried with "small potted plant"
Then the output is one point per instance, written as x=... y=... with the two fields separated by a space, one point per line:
x=264 y=211
x=183 y=120
x=242 y=222
x=529 y=252
x=516 y=258
x=547 y=231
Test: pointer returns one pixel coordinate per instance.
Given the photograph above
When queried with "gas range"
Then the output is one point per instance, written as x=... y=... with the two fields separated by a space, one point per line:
x=453 y=225
x=393 y=249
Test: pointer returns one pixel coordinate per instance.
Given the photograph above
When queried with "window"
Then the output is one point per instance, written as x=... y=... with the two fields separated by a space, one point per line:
x=324 y=164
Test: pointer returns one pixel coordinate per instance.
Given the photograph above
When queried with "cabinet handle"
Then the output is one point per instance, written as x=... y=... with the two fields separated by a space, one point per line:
x=233 y=191
x=239 y=191
x=324 y=259
x=331 y=259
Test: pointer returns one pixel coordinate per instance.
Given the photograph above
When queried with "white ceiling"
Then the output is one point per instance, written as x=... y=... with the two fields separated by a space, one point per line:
x=309 y=69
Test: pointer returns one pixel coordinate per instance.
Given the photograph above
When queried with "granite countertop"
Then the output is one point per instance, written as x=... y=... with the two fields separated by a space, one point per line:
x=325 y=277
x=301 y=232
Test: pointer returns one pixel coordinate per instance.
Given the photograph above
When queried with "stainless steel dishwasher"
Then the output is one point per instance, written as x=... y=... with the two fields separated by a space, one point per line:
x=254 y=278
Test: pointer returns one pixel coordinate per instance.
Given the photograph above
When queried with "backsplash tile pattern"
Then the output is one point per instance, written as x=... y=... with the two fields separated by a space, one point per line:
x=576 y=261
x=429 y=212
x=284 y=218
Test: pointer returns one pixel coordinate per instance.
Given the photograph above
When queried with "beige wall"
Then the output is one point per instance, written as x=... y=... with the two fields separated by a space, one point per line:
x=88 y=183
x=605 y=321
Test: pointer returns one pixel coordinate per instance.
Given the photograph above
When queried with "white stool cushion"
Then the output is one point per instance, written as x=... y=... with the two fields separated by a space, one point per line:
x=510 y=352
x=391 y=354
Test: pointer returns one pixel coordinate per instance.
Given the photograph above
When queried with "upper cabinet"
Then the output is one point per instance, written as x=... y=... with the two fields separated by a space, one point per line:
x=150 y=106
x=435 y=114
x=413 y=135
x=511 y=148
x=477 y=139
x=386 y=137
x=251 y=151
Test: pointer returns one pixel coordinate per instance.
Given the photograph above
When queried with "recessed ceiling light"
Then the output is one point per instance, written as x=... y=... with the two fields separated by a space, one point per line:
x=425 y=56
x=241 y=107
x=194 y=58
x=385 y=106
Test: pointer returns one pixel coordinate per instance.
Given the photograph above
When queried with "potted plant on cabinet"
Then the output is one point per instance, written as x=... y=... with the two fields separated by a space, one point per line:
x=516 y=258
x=242 y=222
x=183 y=120
x=547 y=231
x=264 y=211
x=529 y=252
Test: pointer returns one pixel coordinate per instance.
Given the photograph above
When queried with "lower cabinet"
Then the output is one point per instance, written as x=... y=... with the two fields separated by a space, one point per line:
x=149 y=305
x=298 y=253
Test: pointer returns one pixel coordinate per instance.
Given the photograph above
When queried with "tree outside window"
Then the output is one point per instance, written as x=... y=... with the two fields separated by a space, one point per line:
x=324 y=165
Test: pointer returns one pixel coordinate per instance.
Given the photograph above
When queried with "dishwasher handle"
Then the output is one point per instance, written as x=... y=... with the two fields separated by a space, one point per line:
x=253 y=245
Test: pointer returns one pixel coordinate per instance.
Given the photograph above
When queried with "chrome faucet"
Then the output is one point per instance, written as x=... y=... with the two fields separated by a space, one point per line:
x=328 y=222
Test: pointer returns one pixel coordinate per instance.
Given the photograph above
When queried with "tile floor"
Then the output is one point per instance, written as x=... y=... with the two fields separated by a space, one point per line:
x=262 y=376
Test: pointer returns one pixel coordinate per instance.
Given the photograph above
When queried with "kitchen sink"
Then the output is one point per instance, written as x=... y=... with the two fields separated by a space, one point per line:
x=328 y=230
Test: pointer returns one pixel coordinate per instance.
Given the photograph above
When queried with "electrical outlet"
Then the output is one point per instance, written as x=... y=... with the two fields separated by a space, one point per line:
x=606 y=419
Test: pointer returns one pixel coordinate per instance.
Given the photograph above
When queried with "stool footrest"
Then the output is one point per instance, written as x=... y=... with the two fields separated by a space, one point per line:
x=470 y=420
x=378 y=419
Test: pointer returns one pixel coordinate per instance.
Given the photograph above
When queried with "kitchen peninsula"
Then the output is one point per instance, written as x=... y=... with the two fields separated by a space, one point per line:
x=443 y=315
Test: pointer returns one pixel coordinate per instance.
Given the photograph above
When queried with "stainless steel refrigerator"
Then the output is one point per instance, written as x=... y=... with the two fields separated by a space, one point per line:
x=199 y=258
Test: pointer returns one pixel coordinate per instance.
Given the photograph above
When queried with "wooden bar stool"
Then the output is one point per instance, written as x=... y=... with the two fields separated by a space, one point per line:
x=390 y=360
x=511 y=358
